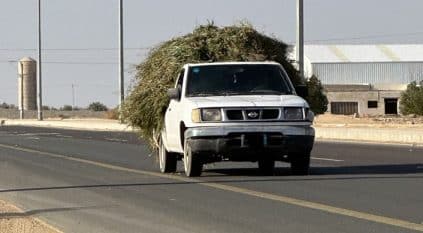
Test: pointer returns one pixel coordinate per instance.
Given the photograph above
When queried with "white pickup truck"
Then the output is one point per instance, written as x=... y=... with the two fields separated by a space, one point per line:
x=236 y=111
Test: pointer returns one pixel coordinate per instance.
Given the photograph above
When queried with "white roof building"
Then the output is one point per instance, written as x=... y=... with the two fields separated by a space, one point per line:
x=364 y=64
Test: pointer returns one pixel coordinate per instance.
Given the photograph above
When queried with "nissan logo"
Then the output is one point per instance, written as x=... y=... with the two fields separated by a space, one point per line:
x=253 y=115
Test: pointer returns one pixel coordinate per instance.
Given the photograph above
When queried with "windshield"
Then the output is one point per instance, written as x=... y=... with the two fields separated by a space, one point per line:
x=237 y=80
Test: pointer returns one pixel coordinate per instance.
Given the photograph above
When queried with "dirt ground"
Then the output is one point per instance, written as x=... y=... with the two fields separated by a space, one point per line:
x=13 y=220
x=377 y=122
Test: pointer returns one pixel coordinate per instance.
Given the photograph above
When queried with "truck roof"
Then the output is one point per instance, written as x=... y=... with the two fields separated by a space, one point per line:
x=233 y=63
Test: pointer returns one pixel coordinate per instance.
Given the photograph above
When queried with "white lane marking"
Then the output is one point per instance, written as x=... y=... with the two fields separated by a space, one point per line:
x=279 y=198
x=37 y=134
x=64 y=136
x=34 y=138
x=327 y=159
x=116 y=140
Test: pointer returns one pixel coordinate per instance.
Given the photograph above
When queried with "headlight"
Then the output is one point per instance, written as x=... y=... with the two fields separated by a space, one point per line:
x=293 y=114
x=211 y=114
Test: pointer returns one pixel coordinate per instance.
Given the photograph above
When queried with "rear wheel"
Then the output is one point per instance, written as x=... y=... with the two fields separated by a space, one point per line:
x=300 y=165
x=266 y=167
x=167 y=161
x=192 y=161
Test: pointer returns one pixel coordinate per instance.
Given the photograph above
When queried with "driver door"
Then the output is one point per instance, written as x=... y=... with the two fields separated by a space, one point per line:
x=172 y=118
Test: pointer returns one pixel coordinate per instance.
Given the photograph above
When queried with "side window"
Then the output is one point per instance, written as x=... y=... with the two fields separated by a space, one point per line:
x=179 y=83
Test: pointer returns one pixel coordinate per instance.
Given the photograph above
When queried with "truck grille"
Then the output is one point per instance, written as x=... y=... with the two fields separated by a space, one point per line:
x=252 y=114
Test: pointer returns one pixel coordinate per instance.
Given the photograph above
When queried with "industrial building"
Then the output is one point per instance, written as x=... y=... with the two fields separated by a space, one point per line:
x=364 y=79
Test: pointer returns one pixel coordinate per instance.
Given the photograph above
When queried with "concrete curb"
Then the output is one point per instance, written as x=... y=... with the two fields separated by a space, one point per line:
x=89 y=124
x=381 y=135
x=410 y=136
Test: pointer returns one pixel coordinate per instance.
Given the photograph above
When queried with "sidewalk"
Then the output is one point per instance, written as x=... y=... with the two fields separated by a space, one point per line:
x=367 y=133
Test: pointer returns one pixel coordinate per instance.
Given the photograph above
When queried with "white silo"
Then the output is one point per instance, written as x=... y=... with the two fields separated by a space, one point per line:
x=27 y=84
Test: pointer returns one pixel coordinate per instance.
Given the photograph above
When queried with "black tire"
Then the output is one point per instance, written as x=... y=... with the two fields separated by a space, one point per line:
x=167 y=161
x=192 y=162
x=300 y=165
x=266 y=167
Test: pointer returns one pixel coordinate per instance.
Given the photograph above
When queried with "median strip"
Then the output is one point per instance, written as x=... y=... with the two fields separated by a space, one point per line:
x=268 y=196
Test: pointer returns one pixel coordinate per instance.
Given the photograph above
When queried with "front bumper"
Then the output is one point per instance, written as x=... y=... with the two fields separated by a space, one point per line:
x=251 y=143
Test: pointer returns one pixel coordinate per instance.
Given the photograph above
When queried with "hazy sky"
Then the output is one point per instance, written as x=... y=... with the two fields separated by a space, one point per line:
x=80 y=36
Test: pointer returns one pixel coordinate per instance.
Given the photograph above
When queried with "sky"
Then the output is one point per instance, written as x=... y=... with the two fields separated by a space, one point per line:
x=80 y=37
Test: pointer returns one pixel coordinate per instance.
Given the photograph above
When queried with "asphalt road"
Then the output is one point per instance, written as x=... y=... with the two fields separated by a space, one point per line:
x=82 y=181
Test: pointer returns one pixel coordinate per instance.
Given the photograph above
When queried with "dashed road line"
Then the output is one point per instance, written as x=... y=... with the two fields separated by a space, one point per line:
x=268 y=196
x=327 y=159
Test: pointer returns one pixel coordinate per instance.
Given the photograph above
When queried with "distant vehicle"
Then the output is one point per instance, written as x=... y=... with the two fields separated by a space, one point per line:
x=242 y=111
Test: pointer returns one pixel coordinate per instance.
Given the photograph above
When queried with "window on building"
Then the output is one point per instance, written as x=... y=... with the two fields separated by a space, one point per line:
x=371 y=104
x=344 y=108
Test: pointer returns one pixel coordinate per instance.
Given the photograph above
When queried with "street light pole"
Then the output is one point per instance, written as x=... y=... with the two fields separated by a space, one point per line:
x=73 y=97
x=39 y=73
x=121 y=58
x=300 y=37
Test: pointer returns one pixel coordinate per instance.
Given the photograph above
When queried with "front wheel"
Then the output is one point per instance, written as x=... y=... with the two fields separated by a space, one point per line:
x=167 y=161
x=192 y=162
x=266 y=167
x=300 y=165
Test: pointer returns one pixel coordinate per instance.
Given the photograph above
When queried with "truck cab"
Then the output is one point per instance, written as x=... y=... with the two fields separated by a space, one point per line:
x=236 y=111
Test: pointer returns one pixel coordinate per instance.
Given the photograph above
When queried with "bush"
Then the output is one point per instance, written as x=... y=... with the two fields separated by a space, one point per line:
x=113 y=114
x=316 y=98
x=146 y=104
x=97 y=107
x=412 y=99
x=66 y=108
x=4 y=105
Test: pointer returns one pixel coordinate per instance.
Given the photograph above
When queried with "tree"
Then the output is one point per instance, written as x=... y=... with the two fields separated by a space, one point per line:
x=146 y=104
x=66 y=108
x=412 y=99
x=316 y=98
x=97 y=107
x=4 y=105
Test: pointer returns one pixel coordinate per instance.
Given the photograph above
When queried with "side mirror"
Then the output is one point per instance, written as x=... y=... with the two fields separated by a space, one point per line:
x=302 y=91
x=174 y=93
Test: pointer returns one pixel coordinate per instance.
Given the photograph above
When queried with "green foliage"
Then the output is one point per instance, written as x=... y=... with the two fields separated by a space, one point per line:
x=5 y=105
x=144 y=108
x=97 y=107
x=412 y=99
x=66 y=108
x=316 y=98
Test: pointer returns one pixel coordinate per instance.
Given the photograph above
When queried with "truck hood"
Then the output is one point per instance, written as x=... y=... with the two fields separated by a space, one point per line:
x=248 y=101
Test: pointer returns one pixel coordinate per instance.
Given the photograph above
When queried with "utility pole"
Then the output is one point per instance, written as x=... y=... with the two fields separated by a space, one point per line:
x=300 y=37
x=39 y=73
x=73 y=97
x=121 y=59
x=21 y=112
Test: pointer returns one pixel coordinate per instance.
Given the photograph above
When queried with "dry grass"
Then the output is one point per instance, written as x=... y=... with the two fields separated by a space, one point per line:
x=12 y=220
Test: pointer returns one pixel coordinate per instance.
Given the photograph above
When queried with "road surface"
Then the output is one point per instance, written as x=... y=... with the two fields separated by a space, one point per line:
x=82 y=181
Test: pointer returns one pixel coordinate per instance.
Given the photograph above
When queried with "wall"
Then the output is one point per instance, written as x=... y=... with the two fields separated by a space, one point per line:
x=14 y=114
x=362 y=97
x=372 y=72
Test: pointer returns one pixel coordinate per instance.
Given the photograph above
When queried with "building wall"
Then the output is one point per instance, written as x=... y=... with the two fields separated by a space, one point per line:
x=362 y=98
x=371 y=72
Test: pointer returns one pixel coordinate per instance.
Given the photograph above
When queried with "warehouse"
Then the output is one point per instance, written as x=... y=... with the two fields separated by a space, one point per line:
x=364 y=79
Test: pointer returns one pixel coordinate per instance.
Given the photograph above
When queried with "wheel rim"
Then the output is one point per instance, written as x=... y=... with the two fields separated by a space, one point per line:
x=162 y=157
